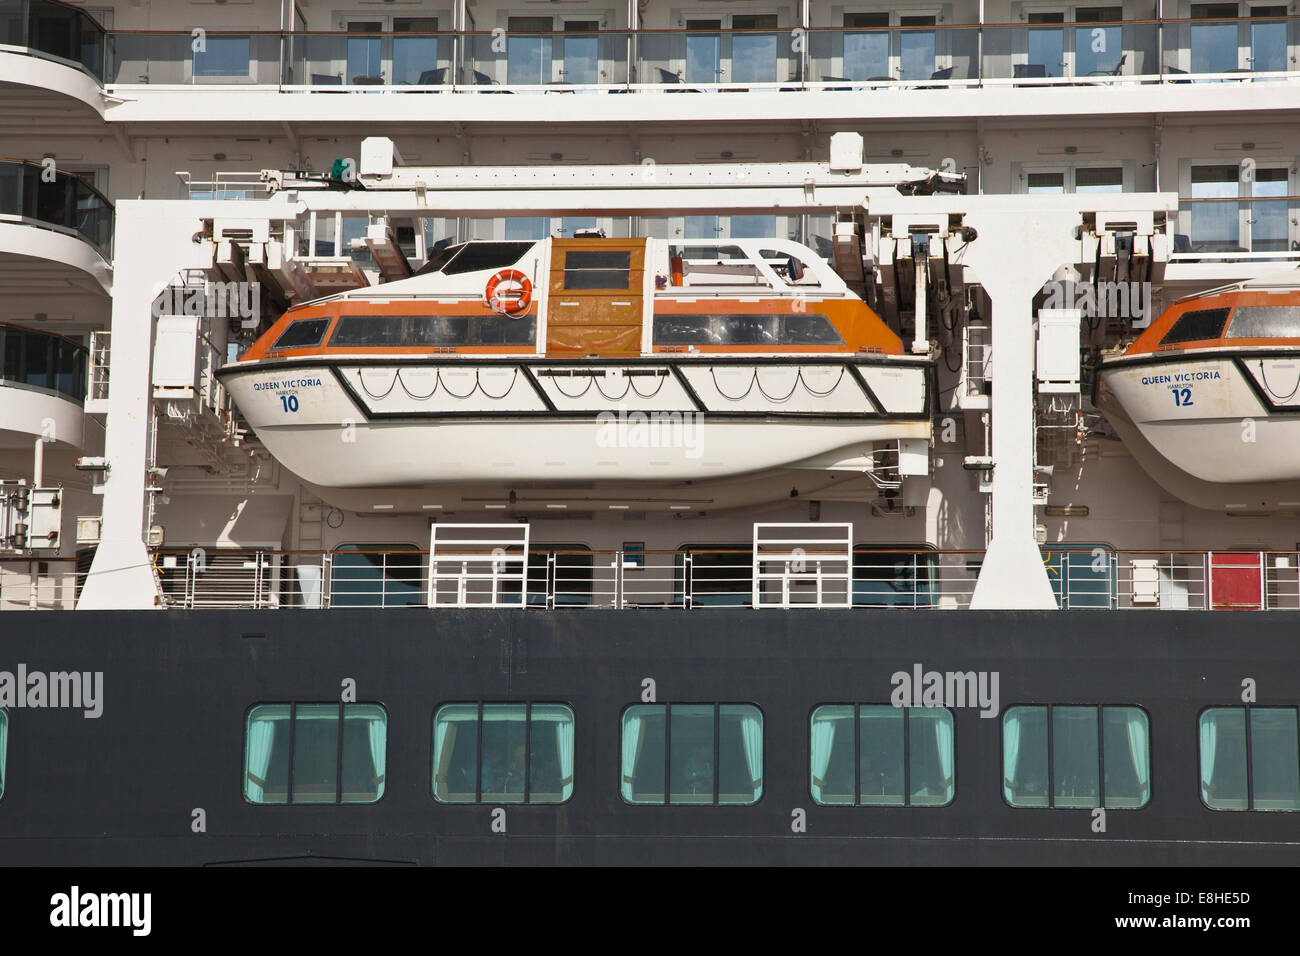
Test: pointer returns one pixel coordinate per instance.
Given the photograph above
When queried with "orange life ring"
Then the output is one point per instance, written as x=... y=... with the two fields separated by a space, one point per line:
x=512 y=302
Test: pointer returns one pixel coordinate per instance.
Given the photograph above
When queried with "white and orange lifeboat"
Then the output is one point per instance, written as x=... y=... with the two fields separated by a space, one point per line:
x=583 y=359
x=1209 y=397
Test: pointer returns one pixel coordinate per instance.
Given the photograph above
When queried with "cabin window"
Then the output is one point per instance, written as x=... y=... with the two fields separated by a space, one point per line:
x=433 y=331
x=565 y=571
x=303 y=333
x=315 y=753
x=745 y=329
x=1196 y=326
x=716 y=576
x=503 y=753
x=1250 y=758
x=877 y=755
x=376 y=575
x=4 y=747
x=895 y=578
x=597 y=269
x=707 y=754
x=1265 y=322
x=1076 y=756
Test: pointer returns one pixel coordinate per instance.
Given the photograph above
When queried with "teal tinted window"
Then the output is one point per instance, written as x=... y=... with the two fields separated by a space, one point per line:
x=1082 y=577
x=708 y=754
x=503 y=753
x=315 y=753
x=1076 y=756
x=1250 y=758
x=880 y=755
x=363 y=575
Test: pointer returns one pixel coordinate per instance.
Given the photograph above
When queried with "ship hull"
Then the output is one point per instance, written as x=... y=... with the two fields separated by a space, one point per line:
x=123 y=788
x=1222 y=418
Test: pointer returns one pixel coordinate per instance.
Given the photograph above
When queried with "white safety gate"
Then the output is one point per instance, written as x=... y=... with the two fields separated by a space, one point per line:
x=803 y=565
x=478 y=565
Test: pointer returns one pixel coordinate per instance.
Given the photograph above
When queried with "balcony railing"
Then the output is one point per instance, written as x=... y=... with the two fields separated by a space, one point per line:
x=55 y=30
x=43 y=196
x=1254 y=228
x=44 y=361
x=925 y=56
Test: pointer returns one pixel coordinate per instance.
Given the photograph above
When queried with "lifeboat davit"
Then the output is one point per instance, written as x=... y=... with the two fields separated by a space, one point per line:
x=1208 y=397
x=586 y=359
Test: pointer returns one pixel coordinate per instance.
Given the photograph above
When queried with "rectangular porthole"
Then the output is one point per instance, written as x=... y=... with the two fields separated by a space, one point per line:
x=315 y=753
x=705 y=754
x=1249 y=758
x=881 y=755
x=503 y=753
x=1076 y=756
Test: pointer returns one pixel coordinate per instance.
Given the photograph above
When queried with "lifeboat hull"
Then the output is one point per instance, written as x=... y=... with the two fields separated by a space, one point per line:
x=1221 y=418
x=380 y=422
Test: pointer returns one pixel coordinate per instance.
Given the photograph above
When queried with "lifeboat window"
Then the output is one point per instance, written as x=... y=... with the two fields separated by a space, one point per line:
x=479 y=256
x=1197 y=326
x=745 y=329
x=315 y=753
x=503 y=753
x=304 y=333
x=1265 y=322
x=791 y=269
x=597 y=269
x=709 y=754
x=1076 y=756
x=411 y=331
x=1266 y=778
x=873 y=755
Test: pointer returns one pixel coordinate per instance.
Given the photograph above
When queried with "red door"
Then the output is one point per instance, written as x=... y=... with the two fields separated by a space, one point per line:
x=1236 y=580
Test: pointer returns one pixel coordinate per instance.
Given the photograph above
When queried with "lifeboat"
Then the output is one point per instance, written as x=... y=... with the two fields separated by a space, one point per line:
x=1209 y=397
x=582 y=360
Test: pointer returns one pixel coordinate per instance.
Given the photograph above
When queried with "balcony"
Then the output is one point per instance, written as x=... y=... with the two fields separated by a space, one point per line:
x=41 y=196
x=42 y=385
x=1047 y=51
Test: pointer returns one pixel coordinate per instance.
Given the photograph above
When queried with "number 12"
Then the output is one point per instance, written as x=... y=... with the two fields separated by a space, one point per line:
x=1182 y=396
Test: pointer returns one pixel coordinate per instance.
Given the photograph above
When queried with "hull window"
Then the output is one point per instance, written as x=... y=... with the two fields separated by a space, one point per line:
x=415 y=331
x=708 y=754
x=1196 y=326
x=882 y=756
x=1068 y=756
x=745 y=329
x=315 y=753
x=503 y=753
x=1250 y=758
x=302 y=334
x=1265 y=322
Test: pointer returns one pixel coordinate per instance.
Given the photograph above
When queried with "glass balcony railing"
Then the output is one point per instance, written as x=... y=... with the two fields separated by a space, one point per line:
x=42 y=360
x=55 y=30
x=46 y=197
x=920 y=53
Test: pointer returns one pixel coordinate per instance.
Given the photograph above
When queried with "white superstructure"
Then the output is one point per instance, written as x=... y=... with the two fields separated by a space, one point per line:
x=1148 y=147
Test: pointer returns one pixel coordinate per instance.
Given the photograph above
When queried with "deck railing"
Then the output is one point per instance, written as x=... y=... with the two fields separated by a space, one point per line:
x=46 y=197
x=918 y=56
x=687 y=579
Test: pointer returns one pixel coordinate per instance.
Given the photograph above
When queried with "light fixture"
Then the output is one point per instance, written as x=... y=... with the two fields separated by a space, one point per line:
x=1066 y=511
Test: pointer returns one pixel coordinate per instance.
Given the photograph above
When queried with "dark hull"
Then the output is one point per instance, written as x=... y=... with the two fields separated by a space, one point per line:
x=121 y=789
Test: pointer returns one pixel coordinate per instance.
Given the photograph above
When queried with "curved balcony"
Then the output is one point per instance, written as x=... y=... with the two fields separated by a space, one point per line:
x=42 y=384
x=53 y=46
x=37 y=195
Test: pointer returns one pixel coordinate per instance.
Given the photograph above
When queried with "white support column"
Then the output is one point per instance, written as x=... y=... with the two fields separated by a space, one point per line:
x=152 y=242
x=1013 y=574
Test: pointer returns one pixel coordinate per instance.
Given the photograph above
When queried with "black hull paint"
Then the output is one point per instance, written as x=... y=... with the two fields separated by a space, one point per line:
x=120 y=790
